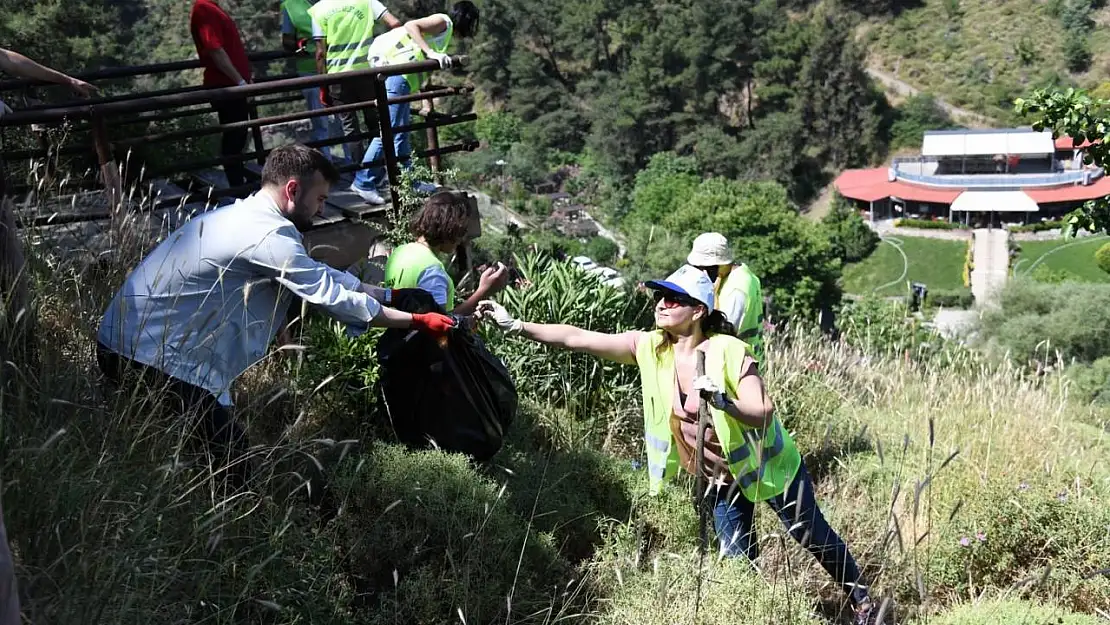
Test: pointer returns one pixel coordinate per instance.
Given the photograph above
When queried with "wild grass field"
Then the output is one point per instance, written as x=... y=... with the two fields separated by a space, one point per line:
x=898 y=259
x=983 y=499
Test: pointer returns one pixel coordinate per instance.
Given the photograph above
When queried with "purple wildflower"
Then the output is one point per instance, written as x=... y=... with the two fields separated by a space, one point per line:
x=964 y=542
x=1023 y=486
x=982 y=536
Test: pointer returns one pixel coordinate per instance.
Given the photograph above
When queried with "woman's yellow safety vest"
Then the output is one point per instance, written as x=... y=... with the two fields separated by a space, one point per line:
x=762 y=461
x=397 y=47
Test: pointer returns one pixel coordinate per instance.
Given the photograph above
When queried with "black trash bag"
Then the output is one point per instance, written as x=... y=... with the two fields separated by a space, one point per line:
x=452 y=391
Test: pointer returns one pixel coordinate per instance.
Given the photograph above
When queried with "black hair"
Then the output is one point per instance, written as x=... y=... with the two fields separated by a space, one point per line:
x=464 y=16
x=716 y=323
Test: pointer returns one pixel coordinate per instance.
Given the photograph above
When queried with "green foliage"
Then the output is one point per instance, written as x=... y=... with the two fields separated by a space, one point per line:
x=560 y=293
x=653 y=251
x=1040 y=322
x=927 y=224
x=851 y=238
x=662 y=186
x=1091 y=382
x=602 y=250
x=791 y=255
x=1039 y=226
x=1102 y=257
x=993 y=611
x=961 y=298
x=498 y=130
x=884 y=327
x=916 y=115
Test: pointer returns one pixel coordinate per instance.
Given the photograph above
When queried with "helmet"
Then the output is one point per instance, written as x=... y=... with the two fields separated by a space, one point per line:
x=464 y=15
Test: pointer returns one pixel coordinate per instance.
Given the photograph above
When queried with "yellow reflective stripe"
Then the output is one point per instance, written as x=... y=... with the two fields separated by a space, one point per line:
x=343 y=47
x=751 y=477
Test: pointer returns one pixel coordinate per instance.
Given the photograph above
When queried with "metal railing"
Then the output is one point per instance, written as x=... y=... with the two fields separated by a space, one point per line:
x=96 y=118
x=1046 y=179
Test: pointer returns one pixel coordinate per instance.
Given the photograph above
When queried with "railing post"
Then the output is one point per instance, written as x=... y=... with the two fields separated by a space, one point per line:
x=381 y=96
x=256 y=133
x=109 y=172
x=433 y=141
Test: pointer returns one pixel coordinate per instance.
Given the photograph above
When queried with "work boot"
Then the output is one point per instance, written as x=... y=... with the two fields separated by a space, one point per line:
x=425 y=188
x=371 y=197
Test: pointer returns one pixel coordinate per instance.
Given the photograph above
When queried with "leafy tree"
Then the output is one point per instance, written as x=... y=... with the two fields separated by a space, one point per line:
x=602 y=250
x=498 y=130
x=836 y=98
x=791 y=255
x=1102 y=257
x=916 y=115
x=851 y=238
x=662 y=186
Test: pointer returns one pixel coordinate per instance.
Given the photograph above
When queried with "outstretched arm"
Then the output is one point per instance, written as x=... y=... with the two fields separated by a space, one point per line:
x=16 y=64
x=615 y=347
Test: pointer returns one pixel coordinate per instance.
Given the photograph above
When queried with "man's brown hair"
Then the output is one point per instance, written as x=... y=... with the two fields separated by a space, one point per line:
x=444 y=219
x=299 y=162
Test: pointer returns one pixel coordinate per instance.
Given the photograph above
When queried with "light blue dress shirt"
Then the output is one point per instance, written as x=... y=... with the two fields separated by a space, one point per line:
x=205 y=305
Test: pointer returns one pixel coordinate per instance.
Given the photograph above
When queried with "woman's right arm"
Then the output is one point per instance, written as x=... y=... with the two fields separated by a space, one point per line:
x=615 y=347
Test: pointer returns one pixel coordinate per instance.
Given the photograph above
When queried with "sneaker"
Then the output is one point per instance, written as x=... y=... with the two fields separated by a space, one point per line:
x=869 y=613
x=371 y=197
x=426 y=188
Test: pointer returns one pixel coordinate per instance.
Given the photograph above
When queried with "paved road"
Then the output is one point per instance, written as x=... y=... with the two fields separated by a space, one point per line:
x=992 y=265
x=892 y=83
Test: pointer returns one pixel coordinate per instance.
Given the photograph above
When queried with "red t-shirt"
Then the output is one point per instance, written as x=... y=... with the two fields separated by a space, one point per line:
x=212 y=29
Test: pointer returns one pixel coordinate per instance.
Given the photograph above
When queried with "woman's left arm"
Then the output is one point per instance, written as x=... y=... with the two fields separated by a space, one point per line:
x=751 y=406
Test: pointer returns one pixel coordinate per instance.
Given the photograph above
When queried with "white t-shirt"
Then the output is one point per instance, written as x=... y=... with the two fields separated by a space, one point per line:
x=733 y=308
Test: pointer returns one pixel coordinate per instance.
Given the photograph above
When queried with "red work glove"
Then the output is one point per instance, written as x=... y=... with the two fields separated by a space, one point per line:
x=325 y=96
x=302 y=46
x=433 y=323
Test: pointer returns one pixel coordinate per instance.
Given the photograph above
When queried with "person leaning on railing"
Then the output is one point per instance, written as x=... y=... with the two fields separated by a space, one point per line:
x=343 y=30
x=419 y=40
x=749 y=456
x=13 y=295
x=205 y=305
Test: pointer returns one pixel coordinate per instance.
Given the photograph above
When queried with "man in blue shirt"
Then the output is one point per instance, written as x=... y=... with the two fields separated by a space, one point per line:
x=204 y=306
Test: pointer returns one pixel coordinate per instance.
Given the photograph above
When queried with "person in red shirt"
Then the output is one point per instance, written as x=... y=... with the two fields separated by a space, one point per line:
x=221 y=51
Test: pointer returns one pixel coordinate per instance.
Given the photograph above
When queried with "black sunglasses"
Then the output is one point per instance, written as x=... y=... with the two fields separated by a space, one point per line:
x=675 y=298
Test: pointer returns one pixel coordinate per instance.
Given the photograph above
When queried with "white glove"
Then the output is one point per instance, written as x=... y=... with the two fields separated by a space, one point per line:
x=489 y=309
x=443 y=59
x=4 y=109
x=711 y=392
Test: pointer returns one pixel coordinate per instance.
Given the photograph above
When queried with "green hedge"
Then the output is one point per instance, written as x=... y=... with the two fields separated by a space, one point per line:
x=928 y=224
x=949 y=299
x=1040 y=226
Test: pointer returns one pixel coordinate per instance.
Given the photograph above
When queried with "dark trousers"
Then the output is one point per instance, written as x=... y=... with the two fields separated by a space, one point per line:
x=351 y=92
x=226 y=442
x=734 y=516
x=233 y=141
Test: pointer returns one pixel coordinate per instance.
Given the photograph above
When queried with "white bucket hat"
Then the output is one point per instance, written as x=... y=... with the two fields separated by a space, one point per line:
x=710 y=250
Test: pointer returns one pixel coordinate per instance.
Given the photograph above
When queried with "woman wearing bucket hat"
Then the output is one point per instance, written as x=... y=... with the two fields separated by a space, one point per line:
x=749 y=456
x=738 y=291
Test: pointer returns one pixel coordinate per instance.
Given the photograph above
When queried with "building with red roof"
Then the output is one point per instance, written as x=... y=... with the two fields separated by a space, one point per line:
x=976 y=176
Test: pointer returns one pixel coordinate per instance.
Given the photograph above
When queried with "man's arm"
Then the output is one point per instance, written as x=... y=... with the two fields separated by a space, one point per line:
x=223 y=62
x=321 y=48
x=288 y=32
x=16 y=64
x=432 y=25
x=382 y=14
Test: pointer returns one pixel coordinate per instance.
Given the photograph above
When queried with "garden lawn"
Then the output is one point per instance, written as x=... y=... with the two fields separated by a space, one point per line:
x=938 y=263
x=1070 y=258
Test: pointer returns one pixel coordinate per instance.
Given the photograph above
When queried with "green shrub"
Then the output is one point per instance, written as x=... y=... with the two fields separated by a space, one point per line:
x=1039 y=226
x=950 y=299
x=1102 y=257
x=602 y=250
x=1091 y=382
x=1038 y=321
x=851 y=238
x=999 y=611
x=427 y=537
x=928 y=224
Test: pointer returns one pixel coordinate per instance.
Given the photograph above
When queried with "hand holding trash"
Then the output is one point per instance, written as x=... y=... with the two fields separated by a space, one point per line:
x=493 y=279
x=489 y=309
x=711 y=392
x=432 y=323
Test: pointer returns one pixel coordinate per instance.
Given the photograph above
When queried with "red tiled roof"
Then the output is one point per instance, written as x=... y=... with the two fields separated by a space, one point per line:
x=1071 y=193
x=869 y=185
x=1067 y=143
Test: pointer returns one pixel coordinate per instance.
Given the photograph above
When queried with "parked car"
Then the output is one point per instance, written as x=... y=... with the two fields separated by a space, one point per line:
x=585 y=263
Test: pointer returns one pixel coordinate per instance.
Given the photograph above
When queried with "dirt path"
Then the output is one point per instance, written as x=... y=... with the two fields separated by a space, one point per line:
x=904 y=89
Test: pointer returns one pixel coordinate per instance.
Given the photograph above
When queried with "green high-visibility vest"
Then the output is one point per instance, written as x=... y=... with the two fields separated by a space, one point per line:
x=406 y=263
x=302 y=25
x=348 y=29
x=762 y=461
x=750 y=329
x=397 y=47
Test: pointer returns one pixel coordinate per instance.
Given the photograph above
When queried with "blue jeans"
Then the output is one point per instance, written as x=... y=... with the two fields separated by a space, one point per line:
x=325 y=126
x=371 y=178
x=734 y=516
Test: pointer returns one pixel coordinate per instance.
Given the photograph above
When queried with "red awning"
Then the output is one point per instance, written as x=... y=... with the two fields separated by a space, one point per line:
x=1067 y=143
x=1071 y=193
x=869 y=185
